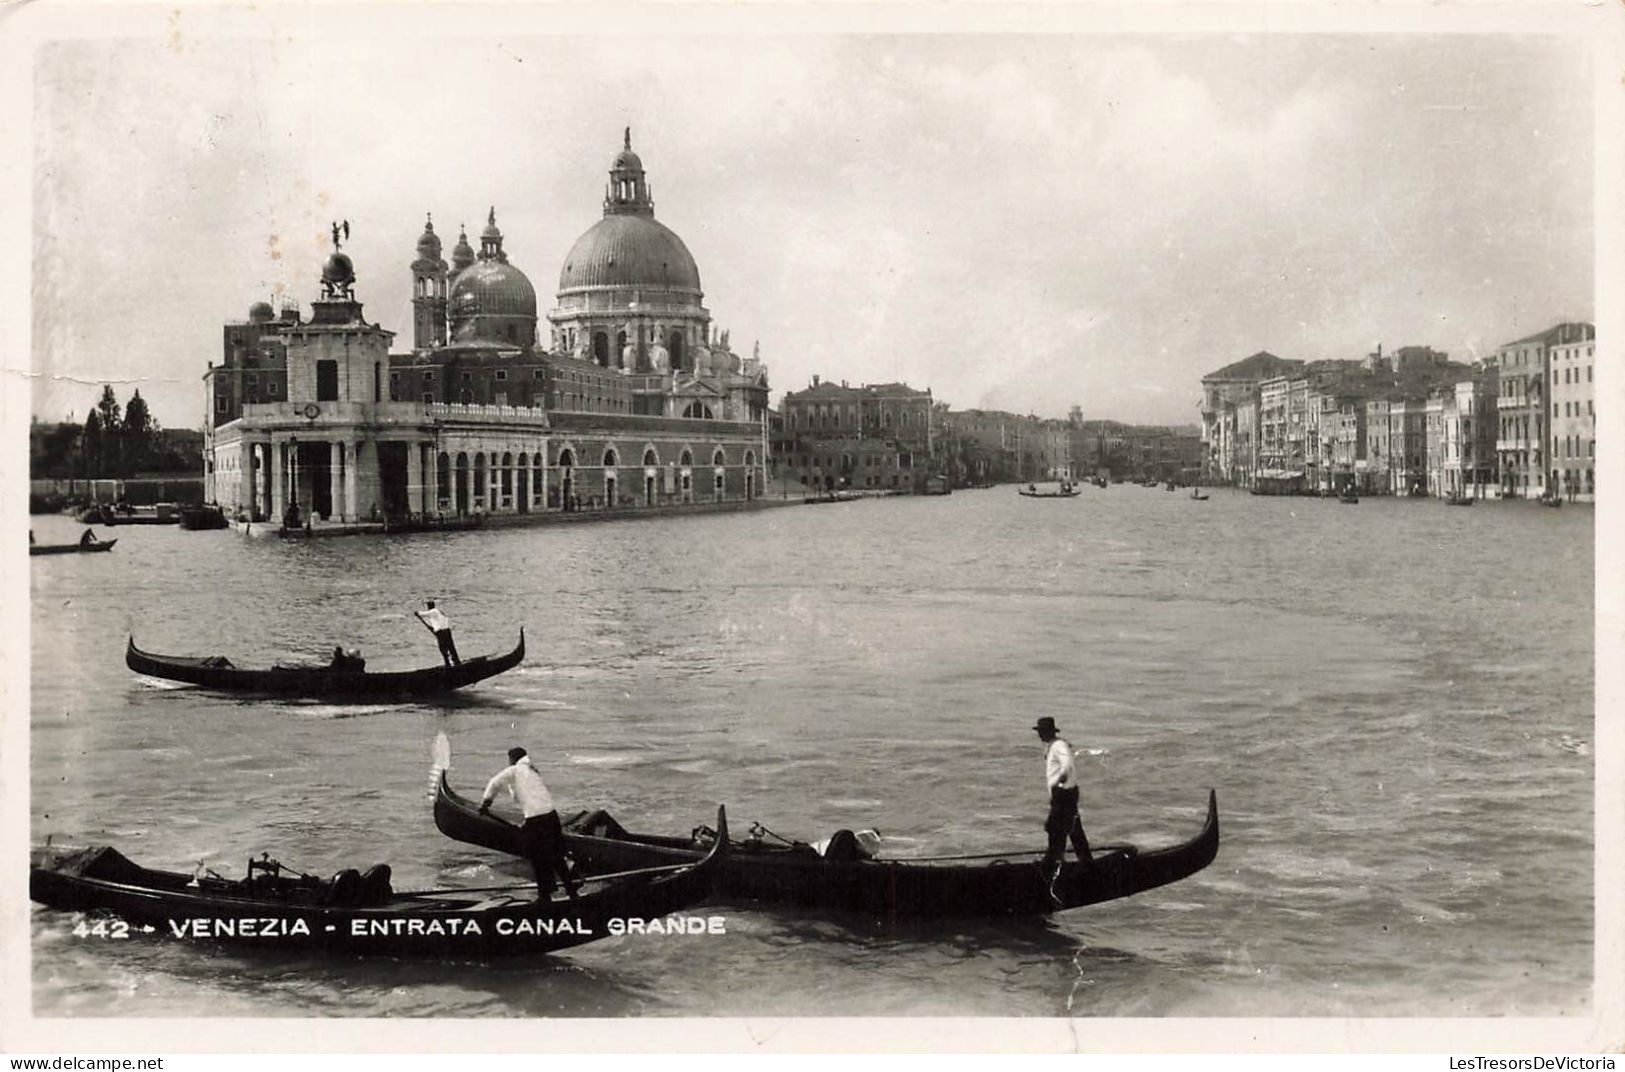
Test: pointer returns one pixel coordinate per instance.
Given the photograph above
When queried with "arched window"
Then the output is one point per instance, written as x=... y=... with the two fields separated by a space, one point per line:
x=650 y=458
x=567 y=458
x=698 y=411
x=609 y=458
x=719 y=458
x=600 y=348
x=687 y=459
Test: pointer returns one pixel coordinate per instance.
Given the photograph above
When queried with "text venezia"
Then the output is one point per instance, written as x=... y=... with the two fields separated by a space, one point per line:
x=449 y=927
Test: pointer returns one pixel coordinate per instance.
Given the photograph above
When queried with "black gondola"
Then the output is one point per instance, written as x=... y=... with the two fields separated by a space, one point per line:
x=322 y=682
x=71 y=548
x=355 y=913
x=1012 y=884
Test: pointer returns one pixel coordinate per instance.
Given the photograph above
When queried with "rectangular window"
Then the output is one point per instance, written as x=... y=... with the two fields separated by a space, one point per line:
x=468 y=377
x=502 y=374
x=1588 y=373
x=428 y=377
x=327 y=381
x=428 y=397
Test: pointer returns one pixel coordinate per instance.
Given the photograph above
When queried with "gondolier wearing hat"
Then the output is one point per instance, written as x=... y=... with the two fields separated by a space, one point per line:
x=440 y=626
x=541 y=836
x=1060 y=773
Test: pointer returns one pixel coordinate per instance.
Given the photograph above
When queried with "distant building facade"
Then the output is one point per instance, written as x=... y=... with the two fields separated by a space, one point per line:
x=871 y=437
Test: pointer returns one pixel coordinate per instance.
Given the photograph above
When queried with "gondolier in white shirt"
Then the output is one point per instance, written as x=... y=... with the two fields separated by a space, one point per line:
x=1061 y=775
x=541 y=836
x=440 y=626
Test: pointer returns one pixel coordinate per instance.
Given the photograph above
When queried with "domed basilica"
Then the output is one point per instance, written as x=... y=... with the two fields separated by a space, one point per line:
x=626 y=399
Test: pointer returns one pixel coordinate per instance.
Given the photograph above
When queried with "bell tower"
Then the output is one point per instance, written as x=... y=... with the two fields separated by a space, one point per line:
x=428 y=292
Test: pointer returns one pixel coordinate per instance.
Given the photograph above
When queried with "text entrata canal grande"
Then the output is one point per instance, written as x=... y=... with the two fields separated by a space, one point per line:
x=363 y=914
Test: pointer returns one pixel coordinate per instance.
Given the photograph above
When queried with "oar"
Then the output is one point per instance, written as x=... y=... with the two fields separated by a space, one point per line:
x=440 y=762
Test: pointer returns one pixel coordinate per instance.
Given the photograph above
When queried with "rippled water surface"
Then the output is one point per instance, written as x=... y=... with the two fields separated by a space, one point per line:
x=1392 y=700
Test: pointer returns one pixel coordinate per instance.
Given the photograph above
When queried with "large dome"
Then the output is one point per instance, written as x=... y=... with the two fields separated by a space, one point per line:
x=629 y=251
x=492 y=288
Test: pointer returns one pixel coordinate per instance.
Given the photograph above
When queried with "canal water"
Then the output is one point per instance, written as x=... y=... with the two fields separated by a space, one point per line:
x=1393 y=701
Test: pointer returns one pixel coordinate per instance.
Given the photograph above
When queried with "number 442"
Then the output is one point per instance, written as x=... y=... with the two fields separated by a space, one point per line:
x=102 y=928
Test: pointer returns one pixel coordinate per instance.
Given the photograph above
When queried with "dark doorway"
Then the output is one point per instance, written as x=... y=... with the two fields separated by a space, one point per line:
x=392 y=485
x=327 y=381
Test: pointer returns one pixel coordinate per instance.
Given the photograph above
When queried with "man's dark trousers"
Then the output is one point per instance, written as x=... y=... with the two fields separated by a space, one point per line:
x=542 y=837
x=448 y=650
x=1063 y=822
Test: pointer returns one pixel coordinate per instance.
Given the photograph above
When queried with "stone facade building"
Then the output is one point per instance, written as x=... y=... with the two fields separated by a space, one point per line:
x=1573 y=453
x=872 y=437
x=485 y=414
x=1528 y=387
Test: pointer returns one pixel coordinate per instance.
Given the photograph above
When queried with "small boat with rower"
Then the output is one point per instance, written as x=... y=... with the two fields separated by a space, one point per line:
x=843 y=876
x=274 y=906
x=344 y=683
x=1064 y=491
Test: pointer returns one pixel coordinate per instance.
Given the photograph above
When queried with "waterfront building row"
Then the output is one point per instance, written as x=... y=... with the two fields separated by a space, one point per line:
x=1518 y=423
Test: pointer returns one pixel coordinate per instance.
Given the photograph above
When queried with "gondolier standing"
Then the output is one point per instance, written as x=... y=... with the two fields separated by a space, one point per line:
x=440 y=626
x=1060 y=773
x=542 y=836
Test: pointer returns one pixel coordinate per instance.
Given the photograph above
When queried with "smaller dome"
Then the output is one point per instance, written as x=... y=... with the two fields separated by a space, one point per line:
x=626 y=159
x=462 y=254
x=493 y=288
x=338 y=269
x=429 y=242
x=261 y=312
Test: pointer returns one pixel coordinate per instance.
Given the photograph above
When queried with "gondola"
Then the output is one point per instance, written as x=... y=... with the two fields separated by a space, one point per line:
x=1350 y=498
x=322 y=682
x=352 y=913
x=71 y=548
x=1460 y=500
x=993 y=885
x=1034 y=493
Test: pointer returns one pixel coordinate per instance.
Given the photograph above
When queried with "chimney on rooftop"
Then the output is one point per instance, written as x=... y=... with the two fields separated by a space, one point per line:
x=815 y=379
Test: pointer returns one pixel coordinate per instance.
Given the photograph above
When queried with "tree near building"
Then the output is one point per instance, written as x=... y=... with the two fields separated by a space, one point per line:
x=91 y=445
x=138 y=432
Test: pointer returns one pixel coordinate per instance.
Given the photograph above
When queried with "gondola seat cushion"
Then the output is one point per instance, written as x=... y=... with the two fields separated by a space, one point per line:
x=375 y=887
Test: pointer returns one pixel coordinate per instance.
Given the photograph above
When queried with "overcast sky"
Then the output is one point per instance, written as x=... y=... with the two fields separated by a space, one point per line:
x=1015 y=222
